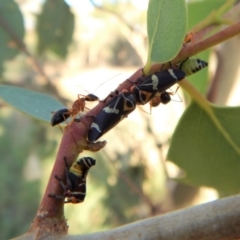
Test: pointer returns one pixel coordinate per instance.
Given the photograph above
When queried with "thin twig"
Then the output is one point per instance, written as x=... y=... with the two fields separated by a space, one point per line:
x=118 y=16
x=195 y=48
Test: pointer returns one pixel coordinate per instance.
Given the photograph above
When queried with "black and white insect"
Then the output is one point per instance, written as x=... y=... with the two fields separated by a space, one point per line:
x=189 y=67
x=75 y=187
x=123 y=104
x=192 y=65
x=148 y=87
x=116 y=109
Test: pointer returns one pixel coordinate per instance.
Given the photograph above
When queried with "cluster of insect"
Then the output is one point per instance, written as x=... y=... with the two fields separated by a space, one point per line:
x=152 y=89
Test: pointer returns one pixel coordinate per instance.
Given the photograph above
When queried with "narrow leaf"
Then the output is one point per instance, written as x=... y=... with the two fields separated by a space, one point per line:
x=35 y=104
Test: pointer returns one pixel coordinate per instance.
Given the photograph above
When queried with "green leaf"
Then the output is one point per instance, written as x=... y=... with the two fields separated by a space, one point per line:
x=12 y=20
x=35 y=104
x=55 y=27
x=199 y=10
x=166 y=25
x=204 y=152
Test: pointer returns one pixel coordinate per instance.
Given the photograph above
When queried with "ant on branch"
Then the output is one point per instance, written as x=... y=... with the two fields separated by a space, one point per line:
x=78 y=106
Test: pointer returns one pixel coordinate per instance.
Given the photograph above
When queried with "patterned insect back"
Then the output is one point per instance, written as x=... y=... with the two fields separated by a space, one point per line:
x=75 y=187
x=148 y=87
x=141 y=92
x=192 y=65
x=115 y=111
x=76 y=180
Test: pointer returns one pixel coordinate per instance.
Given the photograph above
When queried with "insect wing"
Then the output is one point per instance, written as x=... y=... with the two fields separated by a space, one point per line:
x=91 y=97
x=161 y=81
x=192 y=65
x=85 y=164
x=158 y=82
x=78 y=189
x=77 y=178
x=74 y=180
x=168 y=78
x=116 y=110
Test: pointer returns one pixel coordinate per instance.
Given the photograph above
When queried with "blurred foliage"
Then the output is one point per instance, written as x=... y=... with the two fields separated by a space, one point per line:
x=196 y=124
x=123 y=54
x=11 y=23
x=129 y=181
x=199 y=10
x=21 y=148
x=55 y=27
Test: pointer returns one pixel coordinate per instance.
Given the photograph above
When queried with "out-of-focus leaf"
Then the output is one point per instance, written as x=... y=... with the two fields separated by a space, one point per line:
x=55 y=27
x=35 y=104
x=12 y=19
x=204 y=153
x=198 y=10
x=166 y=23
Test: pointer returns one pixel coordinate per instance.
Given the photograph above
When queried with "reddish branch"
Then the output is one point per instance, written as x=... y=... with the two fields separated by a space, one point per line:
x=74 y=141
x=193 y=49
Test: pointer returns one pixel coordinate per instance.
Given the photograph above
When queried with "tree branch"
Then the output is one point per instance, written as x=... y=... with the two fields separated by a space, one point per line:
x=74 y=141
x=217 y=220
x=194 y=48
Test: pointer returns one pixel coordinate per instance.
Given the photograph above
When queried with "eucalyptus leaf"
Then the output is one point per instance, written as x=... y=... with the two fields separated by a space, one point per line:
x=55 y=25
x=166 y=25
x=207 y=157
x=35 y=104
x=12 y=19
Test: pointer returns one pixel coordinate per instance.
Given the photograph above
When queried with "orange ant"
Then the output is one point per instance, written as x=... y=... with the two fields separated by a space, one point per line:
x=164 y=97
x=188 y=38
x=77 y=106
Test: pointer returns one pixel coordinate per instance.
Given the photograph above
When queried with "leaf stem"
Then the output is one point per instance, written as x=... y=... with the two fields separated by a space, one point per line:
x=215 y=17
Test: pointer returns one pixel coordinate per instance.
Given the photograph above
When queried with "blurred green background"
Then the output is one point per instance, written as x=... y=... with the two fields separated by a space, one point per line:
x=78 y=47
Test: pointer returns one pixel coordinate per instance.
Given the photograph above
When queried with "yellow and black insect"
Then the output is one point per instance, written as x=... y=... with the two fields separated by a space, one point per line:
x=192 y=65
x=75 y=187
